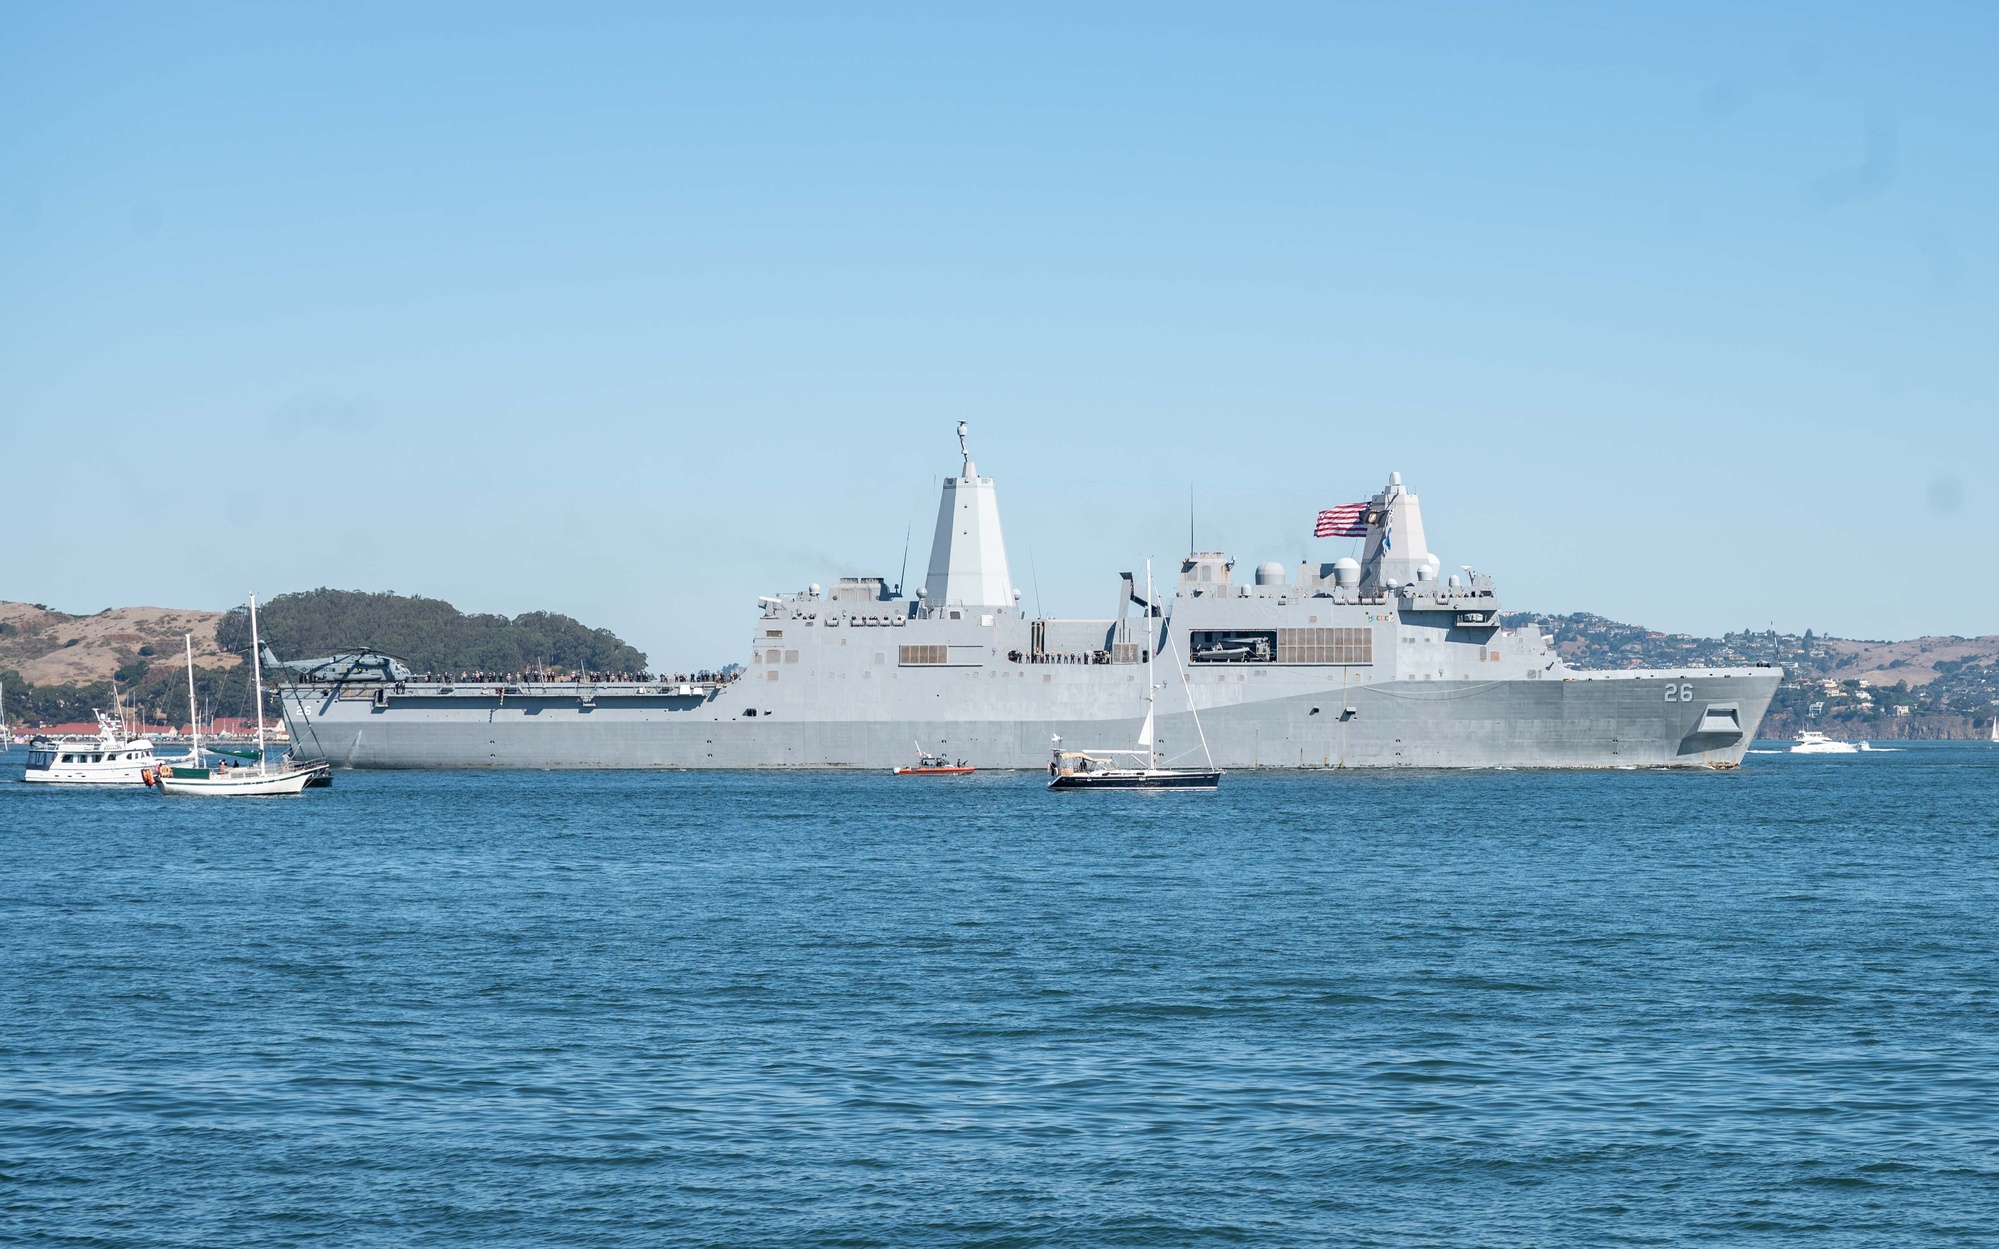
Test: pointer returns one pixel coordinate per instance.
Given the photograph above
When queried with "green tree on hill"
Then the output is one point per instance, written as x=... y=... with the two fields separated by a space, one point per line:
x=429 y=634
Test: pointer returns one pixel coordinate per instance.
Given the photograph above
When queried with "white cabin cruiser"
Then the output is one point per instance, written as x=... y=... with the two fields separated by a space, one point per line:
x=1812 y=742
x=113 y=758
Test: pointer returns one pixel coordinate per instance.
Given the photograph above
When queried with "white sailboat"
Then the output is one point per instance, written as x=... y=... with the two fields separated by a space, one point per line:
x=1140 y=768
x=261 y=781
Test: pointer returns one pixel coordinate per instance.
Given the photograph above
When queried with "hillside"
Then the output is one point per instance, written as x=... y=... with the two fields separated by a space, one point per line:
x=1922 y=687
x=54 y=648
x=57 y=668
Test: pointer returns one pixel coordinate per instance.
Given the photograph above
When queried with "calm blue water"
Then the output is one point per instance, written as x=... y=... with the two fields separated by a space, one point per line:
x=1324 y=1009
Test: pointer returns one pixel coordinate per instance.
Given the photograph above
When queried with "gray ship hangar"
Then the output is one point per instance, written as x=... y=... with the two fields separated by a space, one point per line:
x=1372 y=663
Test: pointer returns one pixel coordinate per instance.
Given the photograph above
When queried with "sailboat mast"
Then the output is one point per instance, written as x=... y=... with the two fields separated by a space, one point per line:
x=257 y=679
x=193 y=709
x=1146 y=734
x=1150 y=641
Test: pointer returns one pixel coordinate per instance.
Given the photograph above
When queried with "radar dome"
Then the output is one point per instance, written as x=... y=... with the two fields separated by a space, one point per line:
x=1270 y=573
x=1346 y=571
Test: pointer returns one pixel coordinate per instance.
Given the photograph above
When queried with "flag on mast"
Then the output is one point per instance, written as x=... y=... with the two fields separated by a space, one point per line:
x=1348 y=520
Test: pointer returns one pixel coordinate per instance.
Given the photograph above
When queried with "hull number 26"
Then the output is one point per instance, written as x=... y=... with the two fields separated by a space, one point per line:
x=1679 y=693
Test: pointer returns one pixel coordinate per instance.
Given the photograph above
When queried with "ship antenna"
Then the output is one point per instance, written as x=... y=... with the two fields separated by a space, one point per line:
x=1035 y=569
x=907 y=530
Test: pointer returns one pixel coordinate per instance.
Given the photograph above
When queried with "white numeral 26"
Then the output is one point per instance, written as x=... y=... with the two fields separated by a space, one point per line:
x=1679 y=693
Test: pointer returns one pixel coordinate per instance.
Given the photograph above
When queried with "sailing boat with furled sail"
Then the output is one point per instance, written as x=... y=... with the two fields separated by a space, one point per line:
x=260 y=781
x=1138 y=768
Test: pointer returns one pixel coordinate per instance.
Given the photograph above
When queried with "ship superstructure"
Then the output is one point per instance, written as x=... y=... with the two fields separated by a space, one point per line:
x=1375 y=662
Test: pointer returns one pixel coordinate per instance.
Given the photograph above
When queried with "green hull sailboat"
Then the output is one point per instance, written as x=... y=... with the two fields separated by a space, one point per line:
x=258 y=781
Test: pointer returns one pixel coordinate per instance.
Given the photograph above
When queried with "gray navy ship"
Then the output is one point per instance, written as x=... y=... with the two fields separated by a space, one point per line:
x=1367 y=663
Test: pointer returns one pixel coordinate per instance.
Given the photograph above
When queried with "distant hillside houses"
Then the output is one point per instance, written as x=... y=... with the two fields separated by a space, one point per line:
x=1923 y=687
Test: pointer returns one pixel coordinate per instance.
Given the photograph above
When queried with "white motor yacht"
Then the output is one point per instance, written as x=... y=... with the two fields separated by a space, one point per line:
x=1812 y=742
x=113 y=758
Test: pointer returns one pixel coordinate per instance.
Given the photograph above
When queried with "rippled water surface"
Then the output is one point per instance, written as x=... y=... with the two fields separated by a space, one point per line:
x=1498 y=1008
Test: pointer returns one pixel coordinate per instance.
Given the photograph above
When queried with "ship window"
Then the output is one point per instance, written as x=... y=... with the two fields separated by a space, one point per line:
x=771 y=657
x=791 y=657
x=97 y=758
x=773 y=633
x=771 y=675
x=1207 y=572
x=909 y=656
x=957 y=615
x=69 y=758
x=1325 y=646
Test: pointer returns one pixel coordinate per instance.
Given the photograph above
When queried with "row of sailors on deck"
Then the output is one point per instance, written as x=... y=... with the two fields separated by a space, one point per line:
x=1064 y=657
x=550 y=678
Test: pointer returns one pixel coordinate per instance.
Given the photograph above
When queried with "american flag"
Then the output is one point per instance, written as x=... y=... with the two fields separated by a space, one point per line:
x=1348 y=520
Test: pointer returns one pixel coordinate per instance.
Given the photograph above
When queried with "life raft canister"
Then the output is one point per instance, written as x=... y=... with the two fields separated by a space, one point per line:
x=146 y=775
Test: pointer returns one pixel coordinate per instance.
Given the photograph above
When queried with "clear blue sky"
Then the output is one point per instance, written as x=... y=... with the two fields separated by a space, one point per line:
x=1683 y=314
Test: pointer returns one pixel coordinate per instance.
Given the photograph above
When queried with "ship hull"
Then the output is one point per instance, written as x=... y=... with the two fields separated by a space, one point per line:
x=1596 y=720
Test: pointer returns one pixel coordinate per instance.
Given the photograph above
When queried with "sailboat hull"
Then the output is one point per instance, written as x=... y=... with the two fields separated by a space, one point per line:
x=236 y=783
x=1190 y=778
